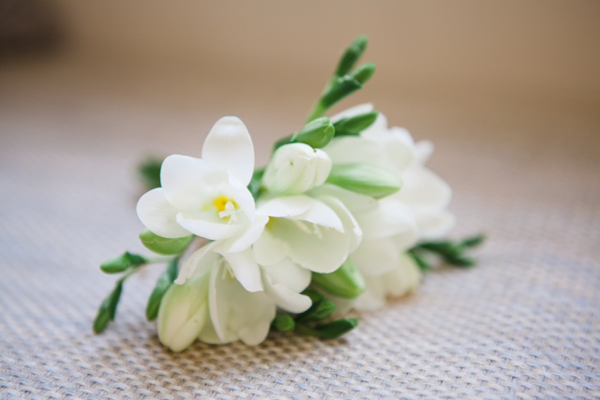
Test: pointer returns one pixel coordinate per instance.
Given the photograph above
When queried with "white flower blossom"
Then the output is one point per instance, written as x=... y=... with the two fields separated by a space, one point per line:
x=207 y=196
x=296 y=168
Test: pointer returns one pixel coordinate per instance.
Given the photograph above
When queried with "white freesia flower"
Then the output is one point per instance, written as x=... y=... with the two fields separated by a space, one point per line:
x=318 y=233
x=296 y=168
x=207 y=196
x=235 y=313
x=423 y=192
x=418 y=211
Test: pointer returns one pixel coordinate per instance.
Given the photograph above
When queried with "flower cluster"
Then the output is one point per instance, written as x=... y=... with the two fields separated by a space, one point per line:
x=344 y=216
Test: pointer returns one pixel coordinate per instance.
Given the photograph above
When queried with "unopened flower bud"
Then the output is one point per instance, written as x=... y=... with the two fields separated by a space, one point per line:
x=183 y=313
x=296 y=168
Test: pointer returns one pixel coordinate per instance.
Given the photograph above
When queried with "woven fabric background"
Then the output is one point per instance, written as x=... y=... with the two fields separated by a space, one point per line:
x=523 y=324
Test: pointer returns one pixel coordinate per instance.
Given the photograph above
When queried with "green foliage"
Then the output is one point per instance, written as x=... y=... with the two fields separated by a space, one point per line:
x=453 y=253
x=346 y=282
x=369 y=179
x=108 y=308
x=149 y=172
x=122 y=263
x=162 y=285
x=317 y=133
x=355 y=125
x=161 y=245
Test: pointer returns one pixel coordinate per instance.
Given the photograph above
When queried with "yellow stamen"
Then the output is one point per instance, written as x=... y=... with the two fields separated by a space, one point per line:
x=220 y=203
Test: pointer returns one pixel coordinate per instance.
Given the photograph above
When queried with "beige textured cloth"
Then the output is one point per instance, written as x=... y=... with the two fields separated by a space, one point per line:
x=523 y=324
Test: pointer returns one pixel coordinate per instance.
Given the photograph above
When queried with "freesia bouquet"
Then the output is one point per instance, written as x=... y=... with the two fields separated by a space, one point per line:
x=344 y=216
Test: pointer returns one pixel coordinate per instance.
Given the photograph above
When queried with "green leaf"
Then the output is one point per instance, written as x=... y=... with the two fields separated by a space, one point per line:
x=149 y=171
x=254 y=186
x=363 y=73
x=108 y=308
x=161 y=245
x=351 y=55
x=121 y=263
x=318 y=311
x=346 y=282
x=317 y=133
x=369 y=179
x=343 y=87
x=164 y=282
x=474 y=241
x=460 y=261
x=423 y=265
x=355 y=125
x=332 y=330
x=284 y=323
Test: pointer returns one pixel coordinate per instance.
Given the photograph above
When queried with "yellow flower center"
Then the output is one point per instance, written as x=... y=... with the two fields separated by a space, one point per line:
x=226 y=208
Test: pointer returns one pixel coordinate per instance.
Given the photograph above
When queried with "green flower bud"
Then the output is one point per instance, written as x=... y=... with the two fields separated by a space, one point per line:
x=346 y=282
x=352 y=55
x=121 y=263
x=368 y=179
x=161 y=245
x=355 y=125
x=183 y=313
x=363 y=73
x=317 y=133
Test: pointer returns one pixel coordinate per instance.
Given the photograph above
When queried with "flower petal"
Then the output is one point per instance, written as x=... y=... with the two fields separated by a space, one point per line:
x=376 y=256
x=198 y=263
x=268 y=250
x=355 y=149
x=229 y=146
x=246 y=270
x=289 y=274
x=423 y=188
x=245 y=238
x=206 y=229
x=320 y=214
x=390 y=218
x=158 y=215
x=285 y=207
x=350 y=224
x=185 y=181
x=315 y=248
x=353 y=112
x=286 y=298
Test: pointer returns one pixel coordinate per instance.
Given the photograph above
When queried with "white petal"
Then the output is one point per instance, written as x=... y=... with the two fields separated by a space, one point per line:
x=423 y=188
x=246 y=270
x=323 y=250
x=434 y=225
x=399 y=147
x=218 y=306
x=321 y=214
x=284 y=297
x=245 y=238
x=390 y=218
x=289 y=274
x=355 y=149
x=349 y=222
x=356 y=203
x=206 y=229
x=158 y=215
x=198 y=263
x=283 y=207
x=404 y=279
x=374 y=296
x=185 y=181
x=376 y=256
x=423 y=150
x=268 y=250
x=229 y=147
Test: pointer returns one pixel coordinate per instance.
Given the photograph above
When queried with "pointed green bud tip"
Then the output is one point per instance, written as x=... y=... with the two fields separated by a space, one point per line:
x=363 y=73
x=343 y=87
x=355 y=125
x=317 y=133
x=351 y=55
x=161 y=245
x=284 y=323
x=121 y=263
x=335 y=329
x=346 y=282
x=369 y=179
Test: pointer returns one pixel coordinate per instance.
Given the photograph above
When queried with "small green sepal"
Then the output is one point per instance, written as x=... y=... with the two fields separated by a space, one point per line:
x=161 y=245
x=369 y=179
x=355 y=125
x=108 y=308
x=346 y=282
x=164 y=282
x=363 y=73
x=317 y=133
x=121 y=263
x=284 y=323
x=352 y=55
